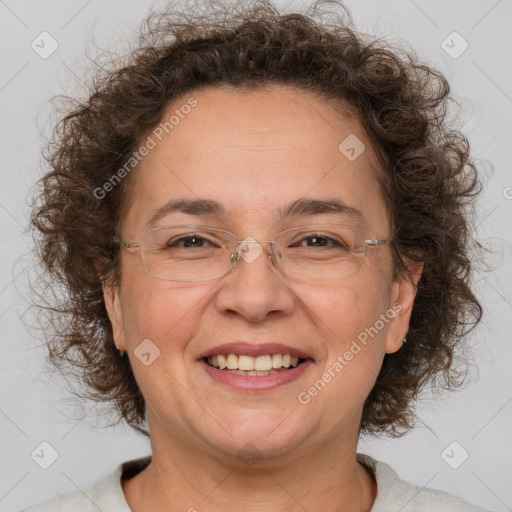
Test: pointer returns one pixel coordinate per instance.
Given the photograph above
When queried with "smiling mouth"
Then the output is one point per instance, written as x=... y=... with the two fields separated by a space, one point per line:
x=254 y=366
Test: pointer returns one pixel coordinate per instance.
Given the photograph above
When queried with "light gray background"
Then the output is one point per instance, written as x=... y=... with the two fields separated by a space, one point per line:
x=35 y=407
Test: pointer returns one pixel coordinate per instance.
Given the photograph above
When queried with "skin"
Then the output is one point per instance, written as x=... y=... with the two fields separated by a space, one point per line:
x=255 y=152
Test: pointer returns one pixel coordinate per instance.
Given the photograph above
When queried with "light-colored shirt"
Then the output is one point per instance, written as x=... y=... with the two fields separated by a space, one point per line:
x=393 y=493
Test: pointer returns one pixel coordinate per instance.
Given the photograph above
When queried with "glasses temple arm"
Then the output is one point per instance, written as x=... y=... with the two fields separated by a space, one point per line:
x=126 y=245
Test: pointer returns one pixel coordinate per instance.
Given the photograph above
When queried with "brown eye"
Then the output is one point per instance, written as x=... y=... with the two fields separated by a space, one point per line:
x=188 y=241
x=317 y=240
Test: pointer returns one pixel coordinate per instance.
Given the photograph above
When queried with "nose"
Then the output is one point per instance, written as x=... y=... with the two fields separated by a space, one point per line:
x=255 y=287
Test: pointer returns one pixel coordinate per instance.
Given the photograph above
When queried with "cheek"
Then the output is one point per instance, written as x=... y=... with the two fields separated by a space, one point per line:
x=169 y=317
x=348 y=317
x=162 y=312
x=354 y=340
x=349 y=308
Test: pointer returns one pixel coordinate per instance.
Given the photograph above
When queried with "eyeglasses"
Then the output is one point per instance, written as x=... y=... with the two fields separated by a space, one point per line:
x=202 y=253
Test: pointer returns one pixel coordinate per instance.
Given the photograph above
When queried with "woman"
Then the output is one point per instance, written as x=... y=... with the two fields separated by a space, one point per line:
x=262 y=224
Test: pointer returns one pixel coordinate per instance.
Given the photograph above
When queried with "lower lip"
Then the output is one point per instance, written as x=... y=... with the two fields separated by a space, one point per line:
x=254 y=382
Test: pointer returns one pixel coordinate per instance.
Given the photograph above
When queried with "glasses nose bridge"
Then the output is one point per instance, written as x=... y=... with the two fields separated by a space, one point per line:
x=250 y=249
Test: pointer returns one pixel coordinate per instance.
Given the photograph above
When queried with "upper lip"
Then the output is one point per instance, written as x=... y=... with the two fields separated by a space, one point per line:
x=254 y=350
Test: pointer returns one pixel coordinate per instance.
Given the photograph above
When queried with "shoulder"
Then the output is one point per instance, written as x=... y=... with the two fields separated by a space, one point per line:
x=70 y=501
x=393 y=493
x=105 y=495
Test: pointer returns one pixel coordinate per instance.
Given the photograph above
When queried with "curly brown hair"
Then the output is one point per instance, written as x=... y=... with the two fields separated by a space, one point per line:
x=429 y=182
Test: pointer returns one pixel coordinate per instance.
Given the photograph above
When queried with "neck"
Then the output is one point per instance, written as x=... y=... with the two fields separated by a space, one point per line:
x=188 y=478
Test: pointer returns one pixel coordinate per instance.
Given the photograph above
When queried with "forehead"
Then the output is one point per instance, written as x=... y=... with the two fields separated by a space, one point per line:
x=267 y=124
x=255 y=151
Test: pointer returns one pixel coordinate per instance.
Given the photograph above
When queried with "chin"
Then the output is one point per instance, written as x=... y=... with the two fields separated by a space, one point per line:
x=258 y=438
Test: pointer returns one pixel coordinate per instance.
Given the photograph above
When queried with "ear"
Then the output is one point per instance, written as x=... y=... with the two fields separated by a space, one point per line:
x=403 y=295
x=113 y=305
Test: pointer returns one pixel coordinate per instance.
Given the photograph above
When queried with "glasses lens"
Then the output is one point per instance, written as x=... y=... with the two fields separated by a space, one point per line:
x=187 y=253
x=321 y=251
x=198 y=253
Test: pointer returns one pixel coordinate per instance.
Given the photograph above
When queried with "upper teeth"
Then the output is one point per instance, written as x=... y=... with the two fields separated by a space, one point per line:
x=259 y=363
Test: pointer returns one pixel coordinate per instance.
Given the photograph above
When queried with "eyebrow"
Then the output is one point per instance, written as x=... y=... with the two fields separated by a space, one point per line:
x=298 y=208
x=302 y=207
x=198 y=207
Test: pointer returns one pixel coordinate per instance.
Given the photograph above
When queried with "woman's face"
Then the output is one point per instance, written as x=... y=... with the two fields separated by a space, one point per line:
x=255 y=154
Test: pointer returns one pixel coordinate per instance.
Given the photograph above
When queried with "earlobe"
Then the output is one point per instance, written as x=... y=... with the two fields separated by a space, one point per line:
x=404 y=293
